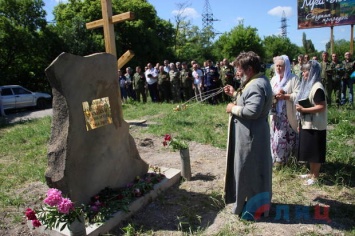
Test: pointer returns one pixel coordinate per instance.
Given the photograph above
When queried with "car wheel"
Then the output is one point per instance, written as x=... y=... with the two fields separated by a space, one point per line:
x=41 y=103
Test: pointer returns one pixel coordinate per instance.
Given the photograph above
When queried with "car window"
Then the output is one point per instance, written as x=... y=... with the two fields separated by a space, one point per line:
x=20 y=91
x=6 y=92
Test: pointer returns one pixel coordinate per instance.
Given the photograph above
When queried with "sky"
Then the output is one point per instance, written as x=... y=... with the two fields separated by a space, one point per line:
x=264 y=15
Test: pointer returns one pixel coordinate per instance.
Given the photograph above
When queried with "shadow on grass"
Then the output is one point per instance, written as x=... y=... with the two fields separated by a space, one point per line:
x=20 y=116
x=7 y=122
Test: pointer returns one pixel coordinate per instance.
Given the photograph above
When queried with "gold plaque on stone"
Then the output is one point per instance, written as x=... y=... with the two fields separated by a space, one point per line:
x=97 y=114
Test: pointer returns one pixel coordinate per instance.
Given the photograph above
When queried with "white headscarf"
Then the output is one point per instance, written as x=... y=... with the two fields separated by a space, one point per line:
x=281 y=84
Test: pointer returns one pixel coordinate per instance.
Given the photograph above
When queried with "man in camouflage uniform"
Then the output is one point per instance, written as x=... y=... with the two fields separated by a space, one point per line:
x=186 y=82
x=336 y=69
x=226 y=76
x=346 y=82
x=326 y=76
x=164 y=87
x=297 y=68
x=174 y=75
x=139 y=84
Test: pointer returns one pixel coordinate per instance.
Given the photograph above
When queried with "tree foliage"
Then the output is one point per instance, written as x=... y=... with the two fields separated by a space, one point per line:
x=308 y=46
x=278 y=45
x=340 y=47
x=29 y=44
x=147 y=35
x=239 y=39
x=22 y=23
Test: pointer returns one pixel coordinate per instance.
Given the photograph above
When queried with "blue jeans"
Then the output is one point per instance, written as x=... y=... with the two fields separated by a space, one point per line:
x=347 y=83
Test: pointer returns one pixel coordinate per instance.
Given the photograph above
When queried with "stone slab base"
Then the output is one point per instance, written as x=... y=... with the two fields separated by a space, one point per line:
x=172 y=177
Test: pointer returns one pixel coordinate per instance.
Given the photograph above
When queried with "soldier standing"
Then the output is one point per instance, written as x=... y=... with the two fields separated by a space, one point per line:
x=175 y=82
x=186 y=82
x=226 y=76
x=326 y=75
x=336 y=77
x=346 y=82
x=139 y=85
x=297 y=68
x=164 y=85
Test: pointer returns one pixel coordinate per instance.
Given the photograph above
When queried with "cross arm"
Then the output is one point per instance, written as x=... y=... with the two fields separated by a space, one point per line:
x=115 y=19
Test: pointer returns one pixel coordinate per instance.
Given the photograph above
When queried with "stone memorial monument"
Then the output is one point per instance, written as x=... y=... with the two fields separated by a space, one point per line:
x=90 y=147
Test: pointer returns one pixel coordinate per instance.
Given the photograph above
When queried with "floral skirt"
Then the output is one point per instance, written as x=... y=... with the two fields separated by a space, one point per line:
x=283 y=138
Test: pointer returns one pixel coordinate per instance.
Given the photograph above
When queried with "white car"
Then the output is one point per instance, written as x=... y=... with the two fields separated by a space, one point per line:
x=16 y=96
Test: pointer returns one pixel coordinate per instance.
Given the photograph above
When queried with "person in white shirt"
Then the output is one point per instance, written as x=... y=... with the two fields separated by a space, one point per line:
x=151 y=75
x=198 y=78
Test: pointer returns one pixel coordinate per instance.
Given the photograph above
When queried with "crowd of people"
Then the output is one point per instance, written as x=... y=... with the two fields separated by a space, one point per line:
x=335 y=76
x=177 y=82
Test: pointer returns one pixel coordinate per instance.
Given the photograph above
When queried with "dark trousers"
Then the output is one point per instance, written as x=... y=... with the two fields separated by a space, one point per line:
x=140 y=92
x=153 y=92
x=347 y=83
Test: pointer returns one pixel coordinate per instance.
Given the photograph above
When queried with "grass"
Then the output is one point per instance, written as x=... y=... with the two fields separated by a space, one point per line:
x=23 y=149
x=23 y=159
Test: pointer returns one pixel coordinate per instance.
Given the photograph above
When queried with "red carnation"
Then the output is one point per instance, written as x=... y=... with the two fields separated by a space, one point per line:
x=36 y=223
x=167 y=137
x=30 y=214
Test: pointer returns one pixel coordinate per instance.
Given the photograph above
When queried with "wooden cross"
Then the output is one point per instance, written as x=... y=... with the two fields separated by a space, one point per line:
x=107 y=22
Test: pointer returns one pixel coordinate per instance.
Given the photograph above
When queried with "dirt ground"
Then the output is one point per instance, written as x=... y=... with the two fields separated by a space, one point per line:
x=190 y=206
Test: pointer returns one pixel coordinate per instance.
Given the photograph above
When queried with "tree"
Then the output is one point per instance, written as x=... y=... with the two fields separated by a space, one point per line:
x=147 y=35
x=340 y=47
x=23 y=59
x=308 y=46
x=239 y=39
x=150 y=37
x=181 y=24
x=278 y=45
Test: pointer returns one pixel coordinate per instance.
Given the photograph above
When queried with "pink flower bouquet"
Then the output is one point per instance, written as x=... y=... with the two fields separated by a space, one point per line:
x=56 y=210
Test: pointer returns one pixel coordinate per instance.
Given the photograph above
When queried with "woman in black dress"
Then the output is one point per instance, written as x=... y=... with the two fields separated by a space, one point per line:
x=313 y=120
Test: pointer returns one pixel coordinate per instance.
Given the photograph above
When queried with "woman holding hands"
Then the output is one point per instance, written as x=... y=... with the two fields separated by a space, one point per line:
x=283 y=122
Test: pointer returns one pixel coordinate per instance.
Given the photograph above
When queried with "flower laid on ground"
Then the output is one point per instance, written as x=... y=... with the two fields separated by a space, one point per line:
x=57 y=209
x=109 y=201
x=175 y=143
x=101 y=207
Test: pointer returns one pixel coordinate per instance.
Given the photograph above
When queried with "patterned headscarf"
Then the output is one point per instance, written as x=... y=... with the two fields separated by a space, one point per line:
x=306 y=84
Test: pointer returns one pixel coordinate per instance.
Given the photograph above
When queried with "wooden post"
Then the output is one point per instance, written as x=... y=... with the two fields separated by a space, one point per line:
x=185 y=163
x=331 y=40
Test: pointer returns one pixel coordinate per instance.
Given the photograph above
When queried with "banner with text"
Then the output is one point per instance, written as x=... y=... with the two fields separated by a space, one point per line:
x=325 y=13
